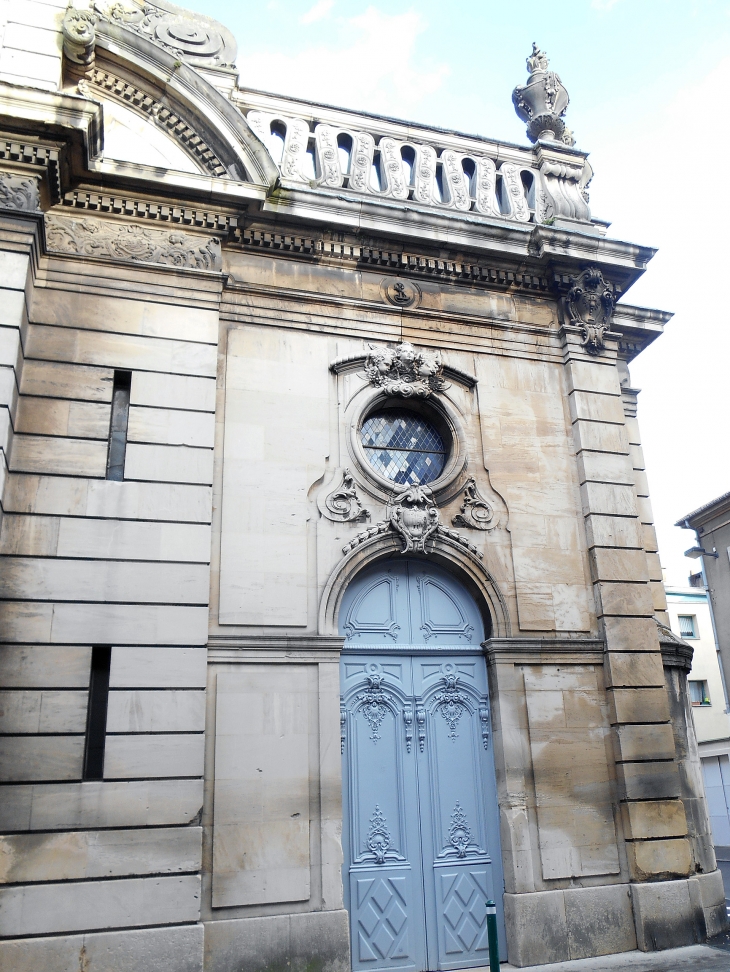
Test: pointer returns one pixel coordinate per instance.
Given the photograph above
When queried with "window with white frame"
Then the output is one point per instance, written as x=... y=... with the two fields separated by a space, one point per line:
x=698 y=692
x=687 y=625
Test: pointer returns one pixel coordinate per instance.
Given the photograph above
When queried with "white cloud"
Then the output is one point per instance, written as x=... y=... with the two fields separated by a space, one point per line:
x=317 y=12
x=604 y=4
x=374 y=69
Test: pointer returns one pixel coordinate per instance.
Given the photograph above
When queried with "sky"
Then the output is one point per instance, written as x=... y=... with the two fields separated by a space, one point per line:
x=649 y=86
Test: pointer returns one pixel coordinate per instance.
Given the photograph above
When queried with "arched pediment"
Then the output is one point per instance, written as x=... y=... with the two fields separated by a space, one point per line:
x=153 y=82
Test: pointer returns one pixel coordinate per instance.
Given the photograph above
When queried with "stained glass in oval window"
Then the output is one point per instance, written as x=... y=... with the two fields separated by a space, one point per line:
x=403 y=447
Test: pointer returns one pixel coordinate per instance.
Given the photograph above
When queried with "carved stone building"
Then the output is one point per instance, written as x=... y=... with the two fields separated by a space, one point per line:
x=330 y=584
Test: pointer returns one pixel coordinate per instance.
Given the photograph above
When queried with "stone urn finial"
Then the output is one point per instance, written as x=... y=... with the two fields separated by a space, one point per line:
x=542 y=101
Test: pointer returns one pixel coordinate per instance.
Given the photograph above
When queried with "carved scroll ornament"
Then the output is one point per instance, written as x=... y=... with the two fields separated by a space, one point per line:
x=343 y=504
x=19 y=192
x=476 y=513
x=405 y=371
x=131 y=243
x=79 y=35
x=460 y=836
x=590 y=304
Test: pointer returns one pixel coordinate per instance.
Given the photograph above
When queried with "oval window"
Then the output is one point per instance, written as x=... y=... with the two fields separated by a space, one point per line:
x=403 y=447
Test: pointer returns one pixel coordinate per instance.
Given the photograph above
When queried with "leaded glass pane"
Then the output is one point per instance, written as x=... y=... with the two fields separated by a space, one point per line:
x=403 y=447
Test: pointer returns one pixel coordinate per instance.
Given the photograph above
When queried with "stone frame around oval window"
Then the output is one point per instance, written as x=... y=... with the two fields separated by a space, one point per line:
x=435 y=409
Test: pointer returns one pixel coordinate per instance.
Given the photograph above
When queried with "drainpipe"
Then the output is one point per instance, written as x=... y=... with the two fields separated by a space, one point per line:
x=712 y=616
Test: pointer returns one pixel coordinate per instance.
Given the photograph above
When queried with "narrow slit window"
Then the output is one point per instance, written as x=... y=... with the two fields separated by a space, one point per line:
x=101 y=658
x=118 y=425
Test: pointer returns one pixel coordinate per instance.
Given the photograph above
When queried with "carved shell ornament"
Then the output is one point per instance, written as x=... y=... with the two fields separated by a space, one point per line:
x=193 y=38
x=589 y=303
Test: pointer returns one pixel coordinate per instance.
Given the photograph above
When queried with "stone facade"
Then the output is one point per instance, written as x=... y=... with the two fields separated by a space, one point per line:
x=206 y=290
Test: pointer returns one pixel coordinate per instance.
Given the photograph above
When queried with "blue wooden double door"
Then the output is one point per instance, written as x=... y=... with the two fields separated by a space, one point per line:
x=421 y=829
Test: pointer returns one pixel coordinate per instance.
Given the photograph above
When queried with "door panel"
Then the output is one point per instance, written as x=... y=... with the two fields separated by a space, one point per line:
x=421 y=825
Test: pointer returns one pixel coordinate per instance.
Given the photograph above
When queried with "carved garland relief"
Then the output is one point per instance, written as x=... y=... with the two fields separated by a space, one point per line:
x=19 y=192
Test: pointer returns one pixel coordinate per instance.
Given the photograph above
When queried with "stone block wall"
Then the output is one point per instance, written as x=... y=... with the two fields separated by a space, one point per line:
x=89 y=562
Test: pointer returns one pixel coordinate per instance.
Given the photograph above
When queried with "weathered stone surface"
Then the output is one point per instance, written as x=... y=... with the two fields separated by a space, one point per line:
x=634 y=670
x=645 y=742
x=40 y=909
x=141 y=950
x=648 y=781
x=315 y=942
x=96 y=854
x=654 y=818
x=599 y=920
x=659 y=859
x=537 y=928
x=712 y=895
x=665 y=915
x=567 y=739
x=70 y=806
x=261 y=837
x=637 y=705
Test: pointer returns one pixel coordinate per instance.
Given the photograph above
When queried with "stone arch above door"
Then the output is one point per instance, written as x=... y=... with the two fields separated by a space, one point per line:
x=447 y=555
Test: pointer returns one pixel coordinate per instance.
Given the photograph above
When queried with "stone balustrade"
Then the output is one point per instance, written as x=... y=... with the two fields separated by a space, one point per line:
x=331 y=156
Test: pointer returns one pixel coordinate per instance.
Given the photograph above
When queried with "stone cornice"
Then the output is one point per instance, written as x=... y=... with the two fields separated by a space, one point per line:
x=55 y=112
x=544 y=651
x=90 y=200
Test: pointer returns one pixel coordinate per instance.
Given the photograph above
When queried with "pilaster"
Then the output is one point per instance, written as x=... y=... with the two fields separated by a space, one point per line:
x=607 y=450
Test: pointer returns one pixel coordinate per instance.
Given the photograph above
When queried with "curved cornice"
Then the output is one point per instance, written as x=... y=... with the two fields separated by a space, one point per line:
x=203 y=106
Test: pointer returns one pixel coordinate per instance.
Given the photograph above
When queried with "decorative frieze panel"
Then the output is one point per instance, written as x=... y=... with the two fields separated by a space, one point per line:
x=19 y=192
x=128 y=242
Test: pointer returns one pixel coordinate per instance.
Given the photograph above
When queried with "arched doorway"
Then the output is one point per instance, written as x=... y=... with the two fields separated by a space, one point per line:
x=421 y=824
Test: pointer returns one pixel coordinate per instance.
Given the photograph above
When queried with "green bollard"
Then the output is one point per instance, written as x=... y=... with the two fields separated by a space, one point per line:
x=492 y=936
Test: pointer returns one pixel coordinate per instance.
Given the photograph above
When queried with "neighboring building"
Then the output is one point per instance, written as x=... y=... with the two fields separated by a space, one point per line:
x=711 y=524
x=330 y=582
x=690 y=618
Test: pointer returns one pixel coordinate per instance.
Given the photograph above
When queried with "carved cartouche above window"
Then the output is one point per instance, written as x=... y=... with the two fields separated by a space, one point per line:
x=413 y=515
x=405 y=371
x=589 y=304
x=128 y=242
